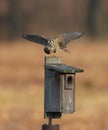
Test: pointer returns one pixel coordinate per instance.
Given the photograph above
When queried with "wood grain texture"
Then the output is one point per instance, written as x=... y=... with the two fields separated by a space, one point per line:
x=52 y=93
x=68 y=93
x=62 y=68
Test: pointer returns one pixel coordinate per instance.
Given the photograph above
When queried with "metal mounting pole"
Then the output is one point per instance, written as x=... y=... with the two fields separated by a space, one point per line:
x=50 y=126
x=50 y=121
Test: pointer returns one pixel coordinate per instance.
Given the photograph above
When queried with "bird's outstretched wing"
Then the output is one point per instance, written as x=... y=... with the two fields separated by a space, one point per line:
x=65 y=38
x=36 y=38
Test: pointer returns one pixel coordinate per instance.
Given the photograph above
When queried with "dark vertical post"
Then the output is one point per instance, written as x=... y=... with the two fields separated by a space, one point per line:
x=92 y=15
x=52 y=93
x=50 y=111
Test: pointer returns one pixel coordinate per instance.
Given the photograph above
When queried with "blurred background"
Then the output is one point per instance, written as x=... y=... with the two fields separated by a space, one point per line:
x=21 y=62
x=38 y=16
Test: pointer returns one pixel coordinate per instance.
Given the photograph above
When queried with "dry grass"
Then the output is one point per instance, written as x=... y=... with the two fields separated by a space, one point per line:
x=21 y=87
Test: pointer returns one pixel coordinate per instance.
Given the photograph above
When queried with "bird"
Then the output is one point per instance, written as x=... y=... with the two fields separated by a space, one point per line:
x=54 y=45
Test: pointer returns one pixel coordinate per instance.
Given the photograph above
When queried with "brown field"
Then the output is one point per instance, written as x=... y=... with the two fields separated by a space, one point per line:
x=22 y=79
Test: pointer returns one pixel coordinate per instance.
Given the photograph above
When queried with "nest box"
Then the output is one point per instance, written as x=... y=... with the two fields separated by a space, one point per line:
x=59 y=87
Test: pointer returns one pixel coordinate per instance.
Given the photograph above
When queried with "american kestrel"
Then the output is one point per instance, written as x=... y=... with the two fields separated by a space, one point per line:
x=53 y=45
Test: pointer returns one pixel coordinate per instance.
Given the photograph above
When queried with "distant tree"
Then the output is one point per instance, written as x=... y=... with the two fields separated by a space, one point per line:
x=3 y=18
x=92 y=16
x=13 y=20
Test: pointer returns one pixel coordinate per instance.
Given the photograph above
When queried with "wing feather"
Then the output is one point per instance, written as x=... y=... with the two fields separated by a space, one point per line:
x=36 y=38
x=65 y=38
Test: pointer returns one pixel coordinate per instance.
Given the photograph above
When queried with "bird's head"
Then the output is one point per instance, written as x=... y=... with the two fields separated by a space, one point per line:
x=47 y=50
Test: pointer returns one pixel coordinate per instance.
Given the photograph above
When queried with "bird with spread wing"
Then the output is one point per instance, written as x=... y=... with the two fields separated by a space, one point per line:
x=54 y=45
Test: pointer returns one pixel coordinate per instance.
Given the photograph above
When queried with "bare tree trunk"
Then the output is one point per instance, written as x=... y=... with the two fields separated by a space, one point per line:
x=13 y=22
x=92 y=16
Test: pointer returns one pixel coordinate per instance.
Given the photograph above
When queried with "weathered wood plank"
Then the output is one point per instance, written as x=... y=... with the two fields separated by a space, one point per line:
x=52 y=93
x=62 y=68
x=68 y=93
x=53 y=60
